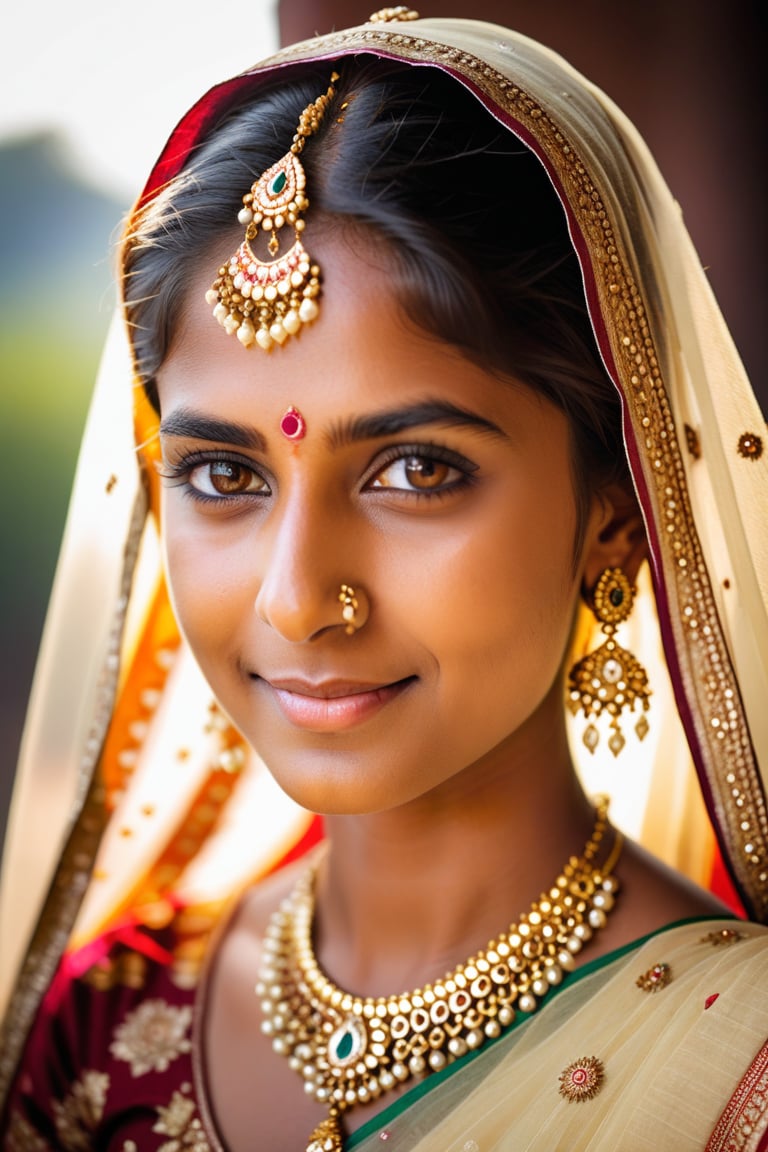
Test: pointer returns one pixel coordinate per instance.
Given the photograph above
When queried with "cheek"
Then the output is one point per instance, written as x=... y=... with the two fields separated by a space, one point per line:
x=502 y=618
x=207 y=584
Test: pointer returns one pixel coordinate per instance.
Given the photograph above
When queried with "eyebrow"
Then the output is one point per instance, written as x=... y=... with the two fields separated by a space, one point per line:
x=189 y=424
x=387 y=423
x=194 y=425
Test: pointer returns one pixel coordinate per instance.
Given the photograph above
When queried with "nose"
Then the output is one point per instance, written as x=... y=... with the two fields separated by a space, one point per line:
x=299 y=594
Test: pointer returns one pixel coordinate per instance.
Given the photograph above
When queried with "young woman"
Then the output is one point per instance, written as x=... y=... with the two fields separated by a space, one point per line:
x=467 y=378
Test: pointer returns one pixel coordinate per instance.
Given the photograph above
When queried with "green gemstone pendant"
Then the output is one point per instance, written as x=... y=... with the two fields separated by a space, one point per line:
x=347 y=1043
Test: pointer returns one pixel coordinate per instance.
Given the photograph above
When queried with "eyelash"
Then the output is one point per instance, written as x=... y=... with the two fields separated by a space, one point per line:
x=435 y=453
x=177 y=473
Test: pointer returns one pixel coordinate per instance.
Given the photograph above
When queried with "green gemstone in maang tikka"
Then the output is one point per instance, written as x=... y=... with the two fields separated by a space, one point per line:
x=277 y=183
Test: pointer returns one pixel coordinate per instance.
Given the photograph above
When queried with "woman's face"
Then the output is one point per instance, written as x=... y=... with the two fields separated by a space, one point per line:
x=441 y=493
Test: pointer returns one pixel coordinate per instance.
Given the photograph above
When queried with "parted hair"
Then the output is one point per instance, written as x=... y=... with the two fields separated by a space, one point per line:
x=477 y=236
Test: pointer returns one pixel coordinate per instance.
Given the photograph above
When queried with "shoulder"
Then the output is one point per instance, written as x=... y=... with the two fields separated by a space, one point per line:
x=652 y=896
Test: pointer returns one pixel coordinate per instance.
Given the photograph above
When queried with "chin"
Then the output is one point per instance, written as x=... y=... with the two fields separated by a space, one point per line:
x=337 y=783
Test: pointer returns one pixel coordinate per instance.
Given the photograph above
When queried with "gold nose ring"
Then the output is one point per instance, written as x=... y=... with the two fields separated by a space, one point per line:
x=350 y=602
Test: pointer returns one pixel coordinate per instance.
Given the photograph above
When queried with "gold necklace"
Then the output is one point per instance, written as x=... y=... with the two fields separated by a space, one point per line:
x=350 y=1049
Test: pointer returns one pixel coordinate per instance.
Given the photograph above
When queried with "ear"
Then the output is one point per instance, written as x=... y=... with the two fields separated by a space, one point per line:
x=615 y=537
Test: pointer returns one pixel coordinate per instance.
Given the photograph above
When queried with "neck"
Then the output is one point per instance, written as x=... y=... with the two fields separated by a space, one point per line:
x=405 y=895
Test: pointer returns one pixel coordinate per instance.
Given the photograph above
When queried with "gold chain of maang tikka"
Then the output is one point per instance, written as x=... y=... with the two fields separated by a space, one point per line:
x=349 y=1050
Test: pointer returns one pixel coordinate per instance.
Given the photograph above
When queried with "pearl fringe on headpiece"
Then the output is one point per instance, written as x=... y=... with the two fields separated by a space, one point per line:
x=266 y=302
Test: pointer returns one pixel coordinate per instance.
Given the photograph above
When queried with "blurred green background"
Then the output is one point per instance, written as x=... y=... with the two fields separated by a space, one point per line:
x=56 y=299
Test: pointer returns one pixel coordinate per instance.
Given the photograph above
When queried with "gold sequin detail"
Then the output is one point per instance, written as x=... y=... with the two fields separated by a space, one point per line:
x=750 y=446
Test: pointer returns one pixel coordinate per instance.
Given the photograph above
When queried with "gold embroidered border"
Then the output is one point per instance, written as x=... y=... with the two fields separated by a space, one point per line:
x=74 y=869
x=745 y=1118
x=709 y=679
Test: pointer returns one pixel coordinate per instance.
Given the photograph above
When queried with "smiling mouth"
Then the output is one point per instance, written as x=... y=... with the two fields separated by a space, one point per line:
x=335 y=705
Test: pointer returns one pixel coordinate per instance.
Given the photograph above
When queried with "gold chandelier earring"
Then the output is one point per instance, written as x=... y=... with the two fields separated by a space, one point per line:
x=610 y=679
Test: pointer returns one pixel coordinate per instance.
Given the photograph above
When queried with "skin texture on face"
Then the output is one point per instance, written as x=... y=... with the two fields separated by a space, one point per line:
x=441 y=492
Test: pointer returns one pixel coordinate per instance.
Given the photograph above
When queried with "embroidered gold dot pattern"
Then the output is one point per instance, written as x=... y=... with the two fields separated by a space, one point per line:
x=692 y=441
x=750 y=446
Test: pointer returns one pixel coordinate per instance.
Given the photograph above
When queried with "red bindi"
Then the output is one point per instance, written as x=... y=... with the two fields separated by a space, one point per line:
x=293 y=425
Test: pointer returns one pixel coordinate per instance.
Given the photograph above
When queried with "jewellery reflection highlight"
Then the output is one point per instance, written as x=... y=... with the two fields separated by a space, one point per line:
x=350 y=602
x=610 y=679
x=265 y=302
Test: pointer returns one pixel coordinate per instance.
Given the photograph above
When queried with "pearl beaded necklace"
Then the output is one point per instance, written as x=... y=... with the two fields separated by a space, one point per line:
x=349 y=1049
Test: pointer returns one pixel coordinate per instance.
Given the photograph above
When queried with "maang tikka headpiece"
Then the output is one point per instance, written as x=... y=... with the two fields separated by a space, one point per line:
x=266 y=302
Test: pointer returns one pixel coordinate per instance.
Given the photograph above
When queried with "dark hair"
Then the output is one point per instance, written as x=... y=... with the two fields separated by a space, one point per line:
x=479 y=238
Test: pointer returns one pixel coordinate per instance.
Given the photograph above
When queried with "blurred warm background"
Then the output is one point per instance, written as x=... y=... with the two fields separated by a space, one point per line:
x=88 y=92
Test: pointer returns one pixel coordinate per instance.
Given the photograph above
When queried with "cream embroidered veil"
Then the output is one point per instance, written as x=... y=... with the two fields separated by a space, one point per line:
x=133 y=797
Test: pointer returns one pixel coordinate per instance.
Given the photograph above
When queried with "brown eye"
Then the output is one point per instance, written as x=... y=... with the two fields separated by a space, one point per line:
x=225 y=478
x=421 y=472
x=413 y=472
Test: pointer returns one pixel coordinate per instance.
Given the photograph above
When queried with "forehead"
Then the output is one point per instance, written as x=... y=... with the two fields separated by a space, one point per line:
x=361 y=354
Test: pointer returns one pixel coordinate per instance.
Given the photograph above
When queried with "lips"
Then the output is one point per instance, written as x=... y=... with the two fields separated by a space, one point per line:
x=332 y=705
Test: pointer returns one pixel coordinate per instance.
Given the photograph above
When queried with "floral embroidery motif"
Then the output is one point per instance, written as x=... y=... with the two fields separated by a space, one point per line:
x=78 y=1115
x=724 y=936
x=583 y=1079
x=710 y=1000
x=178 y=1120
x=152 y=1036
x=21 y=1136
